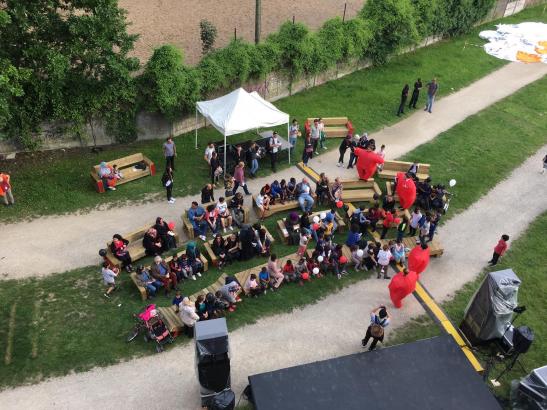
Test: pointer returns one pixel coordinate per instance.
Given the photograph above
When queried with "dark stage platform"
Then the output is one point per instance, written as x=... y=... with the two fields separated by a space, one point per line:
x=427 y=374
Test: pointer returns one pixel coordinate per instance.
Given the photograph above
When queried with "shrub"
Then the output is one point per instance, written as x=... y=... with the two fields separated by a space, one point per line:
x=357 y=37
x=463 y=14
x=208 y=35
x=393 y=26
x=331 y=38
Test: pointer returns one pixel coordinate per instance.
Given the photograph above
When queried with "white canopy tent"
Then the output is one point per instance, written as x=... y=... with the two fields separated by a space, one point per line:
x=240 y=111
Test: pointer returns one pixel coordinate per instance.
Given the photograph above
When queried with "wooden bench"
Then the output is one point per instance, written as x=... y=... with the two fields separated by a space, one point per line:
x=135 y=248
x=142 y=290
x=126 y=167
x=214 y=259
x=391 y=168
x=278 y=207
x=244 y=275
x=284 y=234
x=335 y=127
x=375 y=235
x=391 y=191
x=188 y=228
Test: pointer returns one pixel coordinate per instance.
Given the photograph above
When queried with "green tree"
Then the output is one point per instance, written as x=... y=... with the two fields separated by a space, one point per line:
x=76 y=54
x=393 y=26
x=168 y=86
x=208 y=35
x=357 y=37
x=463 y=14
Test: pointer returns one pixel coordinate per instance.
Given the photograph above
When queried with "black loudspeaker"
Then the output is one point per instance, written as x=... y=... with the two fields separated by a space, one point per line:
x=523 y=337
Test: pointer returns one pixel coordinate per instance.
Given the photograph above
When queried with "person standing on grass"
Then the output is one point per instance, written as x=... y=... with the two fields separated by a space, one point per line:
x=544 y=165
x=167 y=182
x=274 y=145
x=315 y=135
x=170 y=152
x=379 y=319
x=294 y=133
x=109 y=278
x=5 y=189
x=499 y=250
x=209 y=152
x=239 y=176
x=415 y=93
x=404 y=96
x=432 y=88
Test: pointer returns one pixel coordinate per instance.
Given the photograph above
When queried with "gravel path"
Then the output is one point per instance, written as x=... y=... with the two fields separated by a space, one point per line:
x=79 y=236
x=330 y=328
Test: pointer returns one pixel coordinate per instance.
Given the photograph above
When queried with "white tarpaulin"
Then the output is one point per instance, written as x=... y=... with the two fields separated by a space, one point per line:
x=524 y=42
x=240 y=111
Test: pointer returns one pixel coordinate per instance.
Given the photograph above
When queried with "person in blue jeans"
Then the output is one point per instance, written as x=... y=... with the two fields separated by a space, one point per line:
x=294 y=130
x=146 y=281
x=432 y=88
x=304 y=193
x=252 y=159
x=196 y=215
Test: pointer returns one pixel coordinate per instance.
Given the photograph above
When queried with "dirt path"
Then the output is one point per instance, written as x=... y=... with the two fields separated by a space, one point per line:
x=330 y=328
x=79 y=237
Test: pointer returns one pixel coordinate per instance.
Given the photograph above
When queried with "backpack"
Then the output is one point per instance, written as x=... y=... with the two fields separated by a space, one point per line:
x=294 y=237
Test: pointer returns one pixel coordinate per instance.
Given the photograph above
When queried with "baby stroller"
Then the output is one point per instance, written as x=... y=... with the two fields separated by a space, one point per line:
x=151 y=323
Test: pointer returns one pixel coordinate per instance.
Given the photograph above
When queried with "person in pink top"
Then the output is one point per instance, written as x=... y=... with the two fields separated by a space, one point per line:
x=275 y=271
x=499 y=250
x=239 y=177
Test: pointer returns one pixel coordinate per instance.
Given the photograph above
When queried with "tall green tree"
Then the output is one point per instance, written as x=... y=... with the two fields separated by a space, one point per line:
x=76 y=52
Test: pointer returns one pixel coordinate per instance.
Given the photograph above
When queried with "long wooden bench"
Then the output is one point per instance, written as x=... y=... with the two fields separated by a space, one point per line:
x=284 y=234
x=391 y=191
x=135 y=248
x=391 y=168
x=126 y=166
x=334 y=126
x=278 y=207
x=189 y=228
x=244 y=275
x=214 y=259
x=142 y=290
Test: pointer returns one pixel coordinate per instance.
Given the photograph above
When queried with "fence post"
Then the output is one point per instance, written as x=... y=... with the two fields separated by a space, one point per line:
x=258 y=17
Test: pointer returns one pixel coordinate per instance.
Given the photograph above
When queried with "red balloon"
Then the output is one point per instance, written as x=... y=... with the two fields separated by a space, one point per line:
x=171 y=226
x=315 y=227
x=402 y=285
x=367 y=162
x=339 y=204
x=406 y=189
x=343 y=259
x=418 y=259
x=305 y=276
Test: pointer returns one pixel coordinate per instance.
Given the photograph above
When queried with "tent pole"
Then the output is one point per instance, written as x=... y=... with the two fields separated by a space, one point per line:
x=196 y=127
x=225 y=170
x=289 y=139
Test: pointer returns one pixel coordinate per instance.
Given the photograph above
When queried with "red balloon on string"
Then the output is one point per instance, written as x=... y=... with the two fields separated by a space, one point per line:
x=418 y=258
x=315 y=227
x=343 y=259
x=171 y=226
x=339 y=204
x=402 y=285
x=367 y=162
x=406 y=190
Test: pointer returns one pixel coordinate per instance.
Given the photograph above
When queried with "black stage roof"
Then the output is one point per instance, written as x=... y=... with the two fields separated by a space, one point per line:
x=427 y=374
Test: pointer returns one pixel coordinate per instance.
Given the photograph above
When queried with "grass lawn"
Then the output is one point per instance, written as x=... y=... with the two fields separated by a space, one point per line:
x=55 y=183
x=528 y=259
x=62 y=323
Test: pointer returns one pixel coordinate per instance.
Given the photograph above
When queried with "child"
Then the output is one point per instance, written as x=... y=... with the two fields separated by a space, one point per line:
x=289 y=272
x=357 y=258
x=174 y=267
x=291 y=189
x=303 y=244
x=382 y=154
x=424 y=229
x=277 y=192
x=253 y=287
x=384 y=256
x=262 y=203
x=116 y=172
x=177 y=300
x=398 y=252
x=302 y=270
x=186 y=268
x=219 y=304
x=109 y=276
x=264 y=279
x=499 y=250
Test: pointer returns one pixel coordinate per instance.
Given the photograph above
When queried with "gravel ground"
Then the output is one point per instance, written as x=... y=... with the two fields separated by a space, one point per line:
x=80 y=236
x=330 y=328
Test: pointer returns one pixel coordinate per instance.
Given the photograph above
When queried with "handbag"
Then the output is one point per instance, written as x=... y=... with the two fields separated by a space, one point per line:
x=376 y=331
x=218 y=171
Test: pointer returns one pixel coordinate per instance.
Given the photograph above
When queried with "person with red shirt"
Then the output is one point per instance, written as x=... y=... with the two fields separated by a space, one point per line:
x=5 y=190
x=389 y=218
x=499 y=250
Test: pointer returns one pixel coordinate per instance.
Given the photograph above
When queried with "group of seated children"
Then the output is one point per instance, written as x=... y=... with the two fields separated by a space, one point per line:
x=221 y=215
x=168 y=275
x=323 y=224
x=250 y=241
x=373 y=255
x=277 y=191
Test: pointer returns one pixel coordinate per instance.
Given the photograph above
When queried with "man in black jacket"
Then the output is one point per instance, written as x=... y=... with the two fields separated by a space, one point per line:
x=415 y=94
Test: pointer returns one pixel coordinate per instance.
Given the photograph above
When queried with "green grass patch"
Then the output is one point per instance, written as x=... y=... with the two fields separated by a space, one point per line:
x=528 y=259
x=59 y=182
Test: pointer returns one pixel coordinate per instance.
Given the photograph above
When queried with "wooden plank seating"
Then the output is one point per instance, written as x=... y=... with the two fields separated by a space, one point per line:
x=209 y=243
x=391 y=191
x=351 y=208
x=278 y=207
x=142 y=290
x=284 y=234
x=391 y=168
x=136 y=250
x=188 y=228
x=244 y=275
x=126 y=167
x=335 y=127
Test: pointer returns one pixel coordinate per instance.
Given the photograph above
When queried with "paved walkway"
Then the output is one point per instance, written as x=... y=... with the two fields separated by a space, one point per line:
x=79 y=236
x=330 y=328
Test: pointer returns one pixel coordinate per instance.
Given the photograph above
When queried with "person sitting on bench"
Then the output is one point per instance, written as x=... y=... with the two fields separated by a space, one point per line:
x=304 y=193
x=165 y=233
x=160 y=271
x=152 y=243
x=118 y=247
x=196 y=215
x=236 y=209
x=144 y=280
x=219 y=249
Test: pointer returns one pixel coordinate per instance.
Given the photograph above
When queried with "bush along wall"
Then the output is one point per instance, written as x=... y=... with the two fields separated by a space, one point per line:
x=72 y=66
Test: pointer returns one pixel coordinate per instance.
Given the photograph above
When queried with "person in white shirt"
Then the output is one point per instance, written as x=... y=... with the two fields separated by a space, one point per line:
x=225 y=215
x=414 y=221
x=384 y=257
x=315 y=135
x=424 y=229
x=274 y=144
x=379 y=319
x=322 y=135
x=209 y=152
x=294 y=133
x=109 y=278
x=381 y=153
x=262 y=203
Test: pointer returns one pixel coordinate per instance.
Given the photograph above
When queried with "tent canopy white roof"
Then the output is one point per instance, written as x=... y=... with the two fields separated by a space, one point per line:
x=240 y=111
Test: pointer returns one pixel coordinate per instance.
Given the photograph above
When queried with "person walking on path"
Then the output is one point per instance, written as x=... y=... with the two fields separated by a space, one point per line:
x=415 y=93
x=544 y=165
x=379 y=319
x=344 y=146
x=404 y=96
x=432 y=88
x=5 y=190
x=170 y=152
x=308 y=151
x=239 y=176
x=294 y=133
x=274 y=145
x=499 y=250
x=167 y=182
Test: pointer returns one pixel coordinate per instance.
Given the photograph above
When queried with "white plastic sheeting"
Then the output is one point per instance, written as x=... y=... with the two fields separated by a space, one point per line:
x=523 y=42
